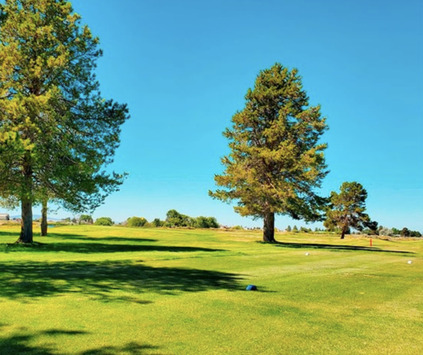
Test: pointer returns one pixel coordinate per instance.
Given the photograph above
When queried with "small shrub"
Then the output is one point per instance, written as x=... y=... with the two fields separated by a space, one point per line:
x=305 y=230
x=85 y=219
x=206 y=222
x=157 y=222
x=237 y=227
x=136 y=222
x=104 y=221
x=415 y=234
x=405 y=232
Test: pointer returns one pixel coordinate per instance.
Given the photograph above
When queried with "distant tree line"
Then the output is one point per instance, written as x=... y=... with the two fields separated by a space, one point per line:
x=174 y=219
x=395 y=232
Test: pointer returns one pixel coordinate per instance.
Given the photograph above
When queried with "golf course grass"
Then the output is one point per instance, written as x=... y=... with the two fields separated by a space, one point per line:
x=116 y=290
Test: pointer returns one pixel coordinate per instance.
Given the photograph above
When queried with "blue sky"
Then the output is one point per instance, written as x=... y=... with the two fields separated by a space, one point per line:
x=184 y=67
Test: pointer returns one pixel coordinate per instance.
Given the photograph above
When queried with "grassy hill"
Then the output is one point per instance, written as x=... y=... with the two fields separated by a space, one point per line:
x=114 y=290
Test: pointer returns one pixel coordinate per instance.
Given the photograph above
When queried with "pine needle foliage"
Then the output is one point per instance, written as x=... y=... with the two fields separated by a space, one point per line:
x=57 y=132
x=276 y=161
x=347 y=209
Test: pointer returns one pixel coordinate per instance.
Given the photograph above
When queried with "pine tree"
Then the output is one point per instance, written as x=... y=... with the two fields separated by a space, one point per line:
x=346 y=209
x=56 y=131
x=276 y=161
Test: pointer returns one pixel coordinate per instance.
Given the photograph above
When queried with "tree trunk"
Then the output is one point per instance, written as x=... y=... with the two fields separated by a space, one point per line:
x=344 y=230
x=269 y=228
x=26 y=223
x=44 y=218
x=26 y=235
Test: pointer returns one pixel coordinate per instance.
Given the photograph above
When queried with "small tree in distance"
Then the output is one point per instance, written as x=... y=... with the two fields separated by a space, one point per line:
x=346 y=209
x=85 y=219
x=136 y=222
x=104 y=221
x=157 y=222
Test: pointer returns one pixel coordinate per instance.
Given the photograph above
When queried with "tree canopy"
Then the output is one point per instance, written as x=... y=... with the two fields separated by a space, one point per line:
x=276 y=161
x=347 y=209
x=57 y=133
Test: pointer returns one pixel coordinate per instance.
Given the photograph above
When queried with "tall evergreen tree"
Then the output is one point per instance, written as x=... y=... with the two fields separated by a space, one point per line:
x=57 y=133
x=276 y=161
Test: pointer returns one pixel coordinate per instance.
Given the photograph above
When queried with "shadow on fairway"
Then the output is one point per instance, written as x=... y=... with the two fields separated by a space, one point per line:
x=66 y=236
x=8 y=234
x=337 y=247
x=106 y=280
x=131 y=348
x=92 y=248
x=21 y=344
x=99 y=239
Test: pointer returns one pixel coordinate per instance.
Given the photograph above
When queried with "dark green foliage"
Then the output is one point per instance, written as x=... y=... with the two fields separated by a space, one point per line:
x=104 y=221
x=176 y=219
x=206 y=222
x=276 y=161
x=396 y=231
x=288 y=229
x=405 y=232
x=372 y=228
x=157 y=222
x=136 y=222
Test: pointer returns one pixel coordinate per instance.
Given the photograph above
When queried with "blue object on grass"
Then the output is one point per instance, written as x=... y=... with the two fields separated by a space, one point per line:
x=251 y=288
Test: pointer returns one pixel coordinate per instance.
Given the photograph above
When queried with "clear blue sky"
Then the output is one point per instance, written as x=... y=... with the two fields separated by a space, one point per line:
x=184 y=67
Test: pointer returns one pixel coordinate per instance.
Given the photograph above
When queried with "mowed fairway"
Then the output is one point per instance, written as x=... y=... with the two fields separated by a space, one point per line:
x=114 y=290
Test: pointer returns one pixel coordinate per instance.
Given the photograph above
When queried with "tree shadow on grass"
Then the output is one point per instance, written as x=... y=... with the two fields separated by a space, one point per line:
x=99 y=239
x=8 y=234
x=92 y=248
x=338 y=247
x=132 y=348
x=21 y=344
x=106 y=280
x=82 y=237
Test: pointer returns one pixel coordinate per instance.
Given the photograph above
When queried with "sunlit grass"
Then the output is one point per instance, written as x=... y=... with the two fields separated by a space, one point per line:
x=113 y=290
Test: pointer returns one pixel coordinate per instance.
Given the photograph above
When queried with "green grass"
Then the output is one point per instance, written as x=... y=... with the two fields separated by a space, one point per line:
x=111 y=290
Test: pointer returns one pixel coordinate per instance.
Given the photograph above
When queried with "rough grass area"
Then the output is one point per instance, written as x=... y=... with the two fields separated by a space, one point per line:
x=111 y=290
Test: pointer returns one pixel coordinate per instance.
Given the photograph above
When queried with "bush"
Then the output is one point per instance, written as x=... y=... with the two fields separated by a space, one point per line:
x=415 y=234
x=85 y=219
x=405 y=232
x=136 y=222
x=237 y=227
x=206 y=222
x=104 y=221
x=305 y=230
x=157 y=222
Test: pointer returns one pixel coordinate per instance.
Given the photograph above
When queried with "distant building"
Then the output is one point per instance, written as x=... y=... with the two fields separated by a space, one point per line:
x=4 y=217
